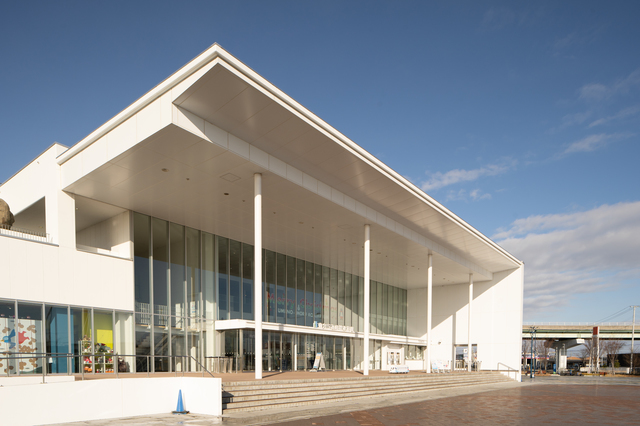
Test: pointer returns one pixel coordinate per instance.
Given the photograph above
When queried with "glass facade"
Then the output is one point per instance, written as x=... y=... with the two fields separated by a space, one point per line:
x=185 y=279
x=290 y=351
x=294 y=291
x=64 y=339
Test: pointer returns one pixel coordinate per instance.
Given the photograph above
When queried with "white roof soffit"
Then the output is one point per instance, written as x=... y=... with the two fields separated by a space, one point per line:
x=218 y=55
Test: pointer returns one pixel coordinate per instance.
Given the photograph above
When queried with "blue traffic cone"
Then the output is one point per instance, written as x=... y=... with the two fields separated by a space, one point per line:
x=180 y=408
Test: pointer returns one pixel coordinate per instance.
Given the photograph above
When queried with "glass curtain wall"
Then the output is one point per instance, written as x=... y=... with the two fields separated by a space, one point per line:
x=185 y=278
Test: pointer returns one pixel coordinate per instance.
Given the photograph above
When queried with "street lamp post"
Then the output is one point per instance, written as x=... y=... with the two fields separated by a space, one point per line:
x=533 y=334
x=633 y=331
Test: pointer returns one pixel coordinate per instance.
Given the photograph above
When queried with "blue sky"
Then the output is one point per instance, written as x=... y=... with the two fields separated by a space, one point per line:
x=522 y=118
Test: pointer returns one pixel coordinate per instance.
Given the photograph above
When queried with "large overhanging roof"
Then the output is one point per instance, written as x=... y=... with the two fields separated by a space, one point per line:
x=220 y=90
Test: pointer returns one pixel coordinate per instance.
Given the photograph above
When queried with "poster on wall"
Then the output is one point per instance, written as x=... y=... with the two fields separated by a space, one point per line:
x=20 y=341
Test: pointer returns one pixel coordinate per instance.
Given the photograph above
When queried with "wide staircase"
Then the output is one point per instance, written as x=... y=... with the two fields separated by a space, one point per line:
x=273 y=394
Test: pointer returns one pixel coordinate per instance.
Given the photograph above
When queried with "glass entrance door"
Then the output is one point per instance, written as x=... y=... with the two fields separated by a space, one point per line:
x=287 y=352
x=274 y=351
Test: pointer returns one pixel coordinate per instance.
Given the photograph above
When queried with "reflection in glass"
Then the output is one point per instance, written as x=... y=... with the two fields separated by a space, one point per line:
x=309 y=294
x=270 y=278
x=28 y=337
x=208 y=275
x=8 y=343
x=193 y=272
x=160 y=268
x=340 y=298
x=57 y=337
x=247 y=281
x=235 y=284
x=300 y=290
x=177 y=269
x=291 y=290
x=141 y=255
x=347 y=299
x=334 y=295
x=318 y=293
x=223 y=278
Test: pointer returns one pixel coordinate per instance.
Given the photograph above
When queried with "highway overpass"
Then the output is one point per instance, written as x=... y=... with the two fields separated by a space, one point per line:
x=569 y=330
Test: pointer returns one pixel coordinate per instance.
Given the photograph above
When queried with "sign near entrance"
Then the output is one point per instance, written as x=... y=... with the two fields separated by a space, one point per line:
x=318 y=364
x=333 y=327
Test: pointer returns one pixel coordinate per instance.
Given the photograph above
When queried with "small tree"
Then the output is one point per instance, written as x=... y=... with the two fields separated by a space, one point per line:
x=589 y=354
x=611 y=348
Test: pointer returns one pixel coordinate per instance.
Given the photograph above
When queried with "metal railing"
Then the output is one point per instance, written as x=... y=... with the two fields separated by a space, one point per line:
x=92 y=362
x=223 y=364
x=25 y=234
x=589 y=324
x=509 y=370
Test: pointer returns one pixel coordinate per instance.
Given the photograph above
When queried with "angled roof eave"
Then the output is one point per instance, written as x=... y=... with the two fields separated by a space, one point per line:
x=216 y=51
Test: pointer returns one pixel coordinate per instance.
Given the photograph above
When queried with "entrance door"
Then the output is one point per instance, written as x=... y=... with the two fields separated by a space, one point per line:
x=339 y=364
x=462 y=356
x=274 y=342
x=287 y=352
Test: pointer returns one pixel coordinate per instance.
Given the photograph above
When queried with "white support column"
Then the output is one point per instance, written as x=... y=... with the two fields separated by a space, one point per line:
x=429 y=310
x=470 y=347
x=257 y=270
x=367 y=278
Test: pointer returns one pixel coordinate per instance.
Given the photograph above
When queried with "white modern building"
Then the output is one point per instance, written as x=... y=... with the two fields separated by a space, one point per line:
x=217 y=217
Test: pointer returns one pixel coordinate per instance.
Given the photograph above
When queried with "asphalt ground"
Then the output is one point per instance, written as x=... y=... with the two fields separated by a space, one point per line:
x=543 y=400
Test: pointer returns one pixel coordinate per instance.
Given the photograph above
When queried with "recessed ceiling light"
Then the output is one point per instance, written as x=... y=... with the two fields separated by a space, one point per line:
x=301 y=223
x=226 y=193
x=165 y=170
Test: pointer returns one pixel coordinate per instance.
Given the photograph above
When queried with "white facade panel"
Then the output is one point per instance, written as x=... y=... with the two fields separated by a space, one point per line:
x=51 y=274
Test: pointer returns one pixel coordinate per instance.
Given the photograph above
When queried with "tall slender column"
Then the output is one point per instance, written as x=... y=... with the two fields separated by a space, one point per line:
x=429 y=310
x=367 y=278
x=470 y=347
x=257 y=270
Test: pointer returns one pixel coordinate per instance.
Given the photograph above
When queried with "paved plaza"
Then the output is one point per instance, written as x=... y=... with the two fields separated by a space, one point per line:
x=527 y=405
x=544 y=400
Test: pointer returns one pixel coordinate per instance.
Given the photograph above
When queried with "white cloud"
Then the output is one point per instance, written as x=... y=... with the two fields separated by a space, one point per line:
x=594 y=91
x=439 y=180
x=593 y=142
x=463 y=195
x=621 y=115
x=567 y=254
x=599 y=91
x=477 y=194
x=572 y=120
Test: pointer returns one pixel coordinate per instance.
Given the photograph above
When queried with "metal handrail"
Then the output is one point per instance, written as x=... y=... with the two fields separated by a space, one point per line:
x=7 y=355
x=589 y=324
x=509 y=370
x=202 y=366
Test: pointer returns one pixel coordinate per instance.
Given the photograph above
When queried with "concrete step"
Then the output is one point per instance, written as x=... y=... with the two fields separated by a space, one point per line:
x=267 y=384
x=340 y=386
x=333 y=390
x=255 y=406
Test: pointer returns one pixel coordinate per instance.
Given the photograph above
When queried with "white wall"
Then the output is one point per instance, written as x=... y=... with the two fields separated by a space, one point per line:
x=111 y=235
x=108 y=398
x=496 y=319
x=38 y=179
x=44 y=272
x=417 y=313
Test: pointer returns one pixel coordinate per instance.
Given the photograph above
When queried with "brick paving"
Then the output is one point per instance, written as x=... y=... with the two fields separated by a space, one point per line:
x=529 y=405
